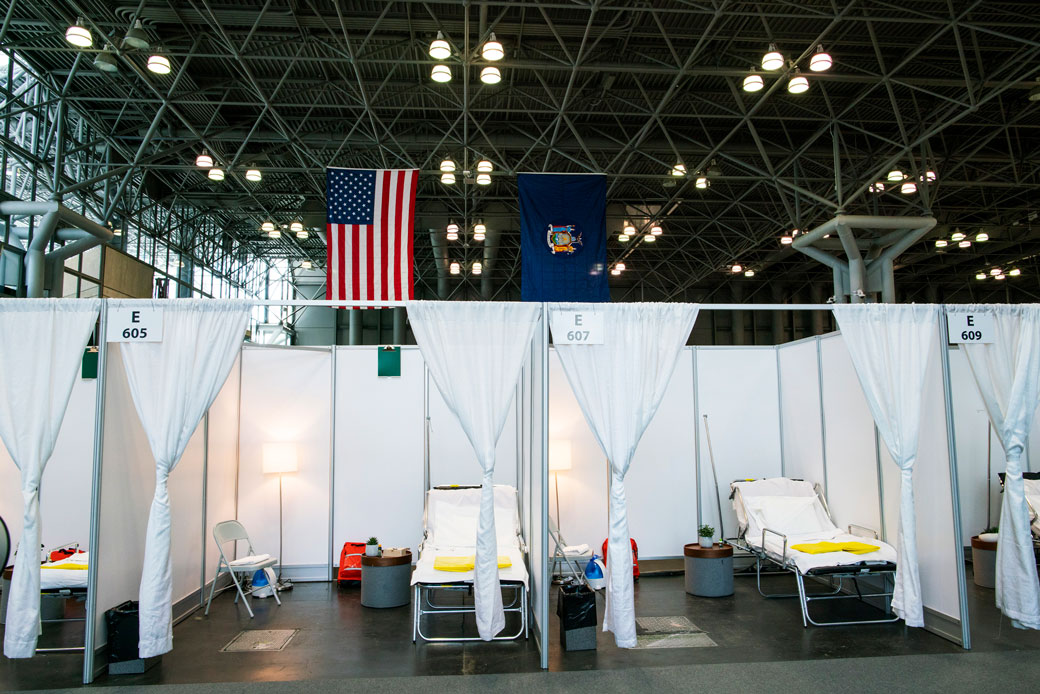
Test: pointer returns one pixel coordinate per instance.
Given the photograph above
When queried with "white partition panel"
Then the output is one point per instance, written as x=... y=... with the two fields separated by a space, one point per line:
x=737 y=388
x=535 y=489
x=222 y=462
x=65 y=487
x=937 y=551
x=661 y=482
x=127 y=486
x=852 y=462
x=452 y=460
x=287 y=397
x=379 y=450
x=800 y=409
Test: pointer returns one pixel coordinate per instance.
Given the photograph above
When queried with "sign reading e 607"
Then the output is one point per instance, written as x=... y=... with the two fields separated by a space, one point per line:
x=576 y=327
x=143 y=324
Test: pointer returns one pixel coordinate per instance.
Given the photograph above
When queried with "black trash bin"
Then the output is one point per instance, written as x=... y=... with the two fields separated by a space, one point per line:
x=123 y=631
x=576 y=608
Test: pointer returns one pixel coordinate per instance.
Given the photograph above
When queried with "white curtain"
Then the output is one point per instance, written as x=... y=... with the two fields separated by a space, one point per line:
x=41 y=346
x=619 y=385
x=1007 y=372
x=475 y=351
x=890 y=345
x=173 y=383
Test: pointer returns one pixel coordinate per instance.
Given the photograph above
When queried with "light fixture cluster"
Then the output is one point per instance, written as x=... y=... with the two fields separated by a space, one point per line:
x=797 y=83
x=628 y=230
x=205 y=161
x=491 y=51
x=788 y=238
x=618 y=268
x=484 y=169
x=906 y=183
x=479 y=231
x=961 y=239
x=79 y=35
x=998 y=274
x=737 y=269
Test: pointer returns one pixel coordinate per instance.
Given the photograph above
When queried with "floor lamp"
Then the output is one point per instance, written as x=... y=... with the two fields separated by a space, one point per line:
x=280 y=458
x=559 y=459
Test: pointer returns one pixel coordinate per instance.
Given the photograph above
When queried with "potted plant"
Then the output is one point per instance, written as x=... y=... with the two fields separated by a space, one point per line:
x=707 y=535
x=372 y=547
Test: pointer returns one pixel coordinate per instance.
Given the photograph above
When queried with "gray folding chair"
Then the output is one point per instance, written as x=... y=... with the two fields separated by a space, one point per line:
x=230 y=531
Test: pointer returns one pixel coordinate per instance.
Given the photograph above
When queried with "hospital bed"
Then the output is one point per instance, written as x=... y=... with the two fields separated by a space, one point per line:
x=450 y=530
x=1031 y=485
x=775 y=515
x=61 y=580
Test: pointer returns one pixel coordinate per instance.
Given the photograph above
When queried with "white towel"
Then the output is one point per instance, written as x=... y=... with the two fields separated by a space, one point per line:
x=576 y=549
x=253 y=559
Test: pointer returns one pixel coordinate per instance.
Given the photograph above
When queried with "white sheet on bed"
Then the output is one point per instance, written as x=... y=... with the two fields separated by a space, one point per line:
x=425 y=573
x=806 y=562
x=1032 y=490
x=52 y=579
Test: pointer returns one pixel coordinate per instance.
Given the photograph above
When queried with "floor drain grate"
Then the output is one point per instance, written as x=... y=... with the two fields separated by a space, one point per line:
x=260 y=640
x=670 y=632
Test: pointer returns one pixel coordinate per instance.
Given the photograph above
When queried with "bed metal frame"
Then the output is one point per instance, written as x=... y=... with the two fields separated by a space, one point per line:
x=854 y=572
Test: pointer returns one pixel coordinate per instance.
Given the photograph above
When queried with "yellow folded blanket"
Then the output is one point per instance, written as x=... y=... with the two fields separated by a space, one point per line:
x=825 y=547
x=460 y=564
x=64 y=566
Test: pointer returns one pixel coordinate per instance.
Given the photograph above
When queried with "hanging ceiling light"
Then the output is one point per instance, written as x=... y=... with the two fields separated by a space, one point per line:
x=821 y=60
x=957 y=236
x=621 y=267
x=253 y=175
x=478 y=267
x=798 y=83
x=649 y=238
x=216 y=174
x=679 y=170
x=941 y=243
x=965 y=244
x=702 y=182
x=454 y=268
x=452 y=231
x=303 y=234
x=492 y=49
x=159 y=63
x=996 y=271
x=296 y=227
x=267 y=226
x=773 y=59
x=629 y=229
x=136 y=37
x=479 y=231
x=753 y=82
x=79 y=35
x=448 y=179
x=306 y=265
x=980 y=275
x=877 y=187
x=204 y=160
x=656 y=229
x=275 y=233
x=490 y=75
x=895 y=175
x=615 y=272
x=713 y=169
x=908 y=188
x=439 y=48
x=623 y=238
x=786 y=240
x=981 y=236
x=440 y=73
x=1014 y=272
x=749 y=273
x=448 y=166
x=483 y=179
x=484 y=166
x=998 y=277
x=106 y=61
x=736 y=267
x=929 y=176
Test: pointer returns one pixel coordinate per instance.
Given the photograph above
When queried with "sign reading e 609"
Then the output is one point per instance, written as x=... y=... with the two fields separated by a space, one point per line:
x=970 y=328
x=135 y=325
x=577 y=327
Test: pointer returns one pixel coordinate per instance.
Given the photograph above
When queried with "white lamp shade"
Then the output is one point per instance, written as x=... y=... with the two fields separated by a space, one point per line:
x=559 y=455
x=279 y=457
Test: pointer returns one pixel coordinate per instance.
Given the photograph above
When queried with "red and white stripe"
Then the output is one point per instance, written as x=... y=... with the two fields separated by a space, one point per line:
x=373 y=262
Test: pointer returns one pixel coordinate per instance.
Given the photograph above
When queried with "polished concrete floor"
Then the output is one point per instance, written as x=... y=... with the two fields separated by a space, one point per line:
x=340 y=639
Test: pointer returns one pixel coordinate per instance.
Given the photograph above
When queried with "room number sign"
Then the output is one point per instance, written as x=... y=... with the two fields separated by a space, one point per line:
x=970 y=328
x=135 y=325
x=577 y=327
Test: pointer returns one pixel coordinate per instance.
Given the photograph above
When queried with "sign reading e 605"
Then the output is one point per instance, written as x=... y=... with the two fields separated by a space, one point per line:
x=135 y=325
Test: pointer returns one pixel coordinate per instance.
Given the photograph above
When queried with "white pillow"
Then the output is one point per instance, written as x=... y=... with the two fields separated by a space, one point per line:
x=790 y=515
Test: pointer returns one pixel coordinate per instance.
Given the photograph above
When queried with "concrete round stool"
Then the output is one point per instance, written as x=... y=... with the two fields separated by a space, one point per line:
x=709 y=570
x=386 y=581
x=984 y=562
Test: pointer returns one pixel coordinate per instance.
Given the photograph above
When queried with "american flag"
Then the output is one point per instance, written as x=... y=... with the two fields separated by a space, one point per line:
x=370 y=218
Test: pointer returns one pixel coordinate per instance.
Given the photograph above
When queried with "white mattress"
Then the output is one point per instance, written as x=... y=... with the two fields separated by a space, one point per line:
x=425 y=573
x=806 y=562
x=52 y=579
x=1032 y=490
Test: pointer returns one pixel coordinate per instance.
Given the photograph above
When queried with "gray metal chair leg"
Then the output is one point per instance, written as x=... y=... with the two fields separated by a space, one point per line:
x=212 y=588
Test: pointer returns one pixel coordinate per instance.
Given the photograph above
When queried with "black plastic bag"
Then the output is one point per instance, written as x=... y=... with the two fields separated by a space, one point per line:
x=576 y=607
